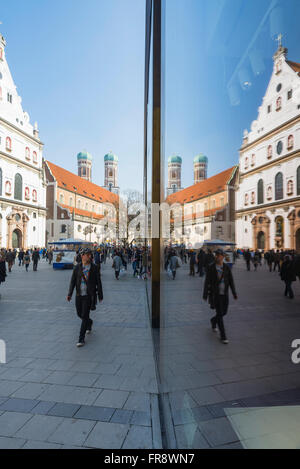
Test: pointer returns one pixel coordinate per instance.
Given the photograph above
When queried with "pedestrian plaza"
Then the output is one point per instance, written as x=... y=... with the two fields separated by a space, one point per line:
x=109 y=393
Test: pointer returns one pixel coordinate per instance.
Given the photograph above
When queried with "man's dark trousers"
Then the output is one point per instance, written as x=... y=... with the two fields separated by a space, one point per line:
x=221 y=306
x=83 y=307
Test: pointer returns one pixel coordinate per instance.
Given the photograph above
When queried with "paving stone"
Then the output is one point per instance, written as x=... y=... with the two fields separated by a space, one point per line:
x=218 y=432
x=11 y=443
x=59 y=377
x=201 y=414
x=107 y=436
x=30 y=390
x=35 y=376
x=111 y=398
x=7 y=388
x=189 y=437
x=83 y=379
x=42 y=407
x=18 y=405
x=122 y=416
x=138 y=401
x=141 y=418
x=70 y=394
x=39 y=428
x=219 y=410
x=138 y=438
x=72 y=432
x=103 y=414
x=30 y=444
x=11 y=422
x=14 y=373
x=109 y=382
x=183 y=416
x=63 y=410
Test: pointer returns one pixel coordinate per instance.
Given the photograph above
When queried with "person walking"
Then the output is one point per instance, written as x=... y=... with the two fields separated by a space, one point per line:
x=2 y=267
x=26 y=260
x=35 y=259
x=117 y=263
x=87 y=281
x=217 y=283
x=192 y=263
x=277 y=261
x=288 y=275
x=10 y=258
x=248 y=259
x=50 y=256
x=201 y=260
x=174 y=264
x=21 y=257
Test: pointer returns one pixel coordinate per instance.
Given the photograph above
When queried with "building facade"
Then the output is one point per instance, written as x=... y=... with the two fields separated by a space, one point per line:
x=207 y=209
x=22 y=185
x=268 y=193
x=75 y=206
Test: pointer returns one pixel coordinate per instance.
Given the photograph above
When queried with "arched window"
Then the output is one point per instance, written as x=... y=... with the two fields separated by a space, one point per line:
x=278 y=104
x=8 y=143
x=27 y=153
x=78 y=204
x=18 y=187
x=246 y=199
x=252 y=197
x=270 y=151
x=298 y=180
x=279 y=186
x=61 y=199
x=86 y=206
x=290 y=142
x=0 y=181
x=27 y=193
x=34 y=195
x=71 y=202
x=34 y=156
x=260 y=192
x=246 y=163
x=253 y=160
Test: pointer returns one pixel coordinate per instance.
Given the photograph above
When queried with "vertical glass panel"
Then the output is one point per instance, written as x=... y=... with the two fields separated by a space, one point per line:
x=229 y=67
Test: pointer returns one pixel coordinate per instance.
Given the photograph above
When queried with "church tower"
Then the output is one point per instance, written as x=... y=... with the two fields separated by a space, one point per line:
x=200 y=168
x=111 y=173
x=174 y=174
x=84 y=160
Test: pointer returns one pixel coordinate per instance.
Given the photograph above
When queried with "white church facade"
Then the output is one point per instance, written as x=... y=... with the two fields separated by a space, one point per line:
x=268 y=192
x=22 y=186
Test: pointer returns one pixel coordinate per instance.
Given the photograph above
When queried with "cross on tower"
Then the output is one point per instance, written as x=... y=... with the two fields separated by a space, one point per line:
x=279 y=40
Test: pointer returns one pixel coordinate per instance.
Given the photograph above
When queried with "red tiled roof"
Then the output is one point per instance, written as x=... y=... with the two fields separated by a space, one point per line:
x=83 y=213
x=203 y=189
x=294 y=65
x=67 y=180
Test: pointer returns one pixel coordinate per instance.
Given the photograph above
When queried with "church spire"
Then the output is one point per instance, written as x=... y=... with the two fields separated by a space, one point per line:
x=281 y=51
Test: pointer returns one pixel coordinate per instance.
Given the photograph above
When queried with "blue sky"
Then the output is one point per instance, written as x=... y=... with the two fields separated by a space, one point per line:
x=79 y=67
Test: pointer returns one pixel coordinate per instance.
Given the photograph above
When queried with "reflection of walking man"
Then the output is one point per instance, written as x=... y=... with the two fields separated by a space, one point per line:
x=35 y=259
x=218 y=280
x=86 y=279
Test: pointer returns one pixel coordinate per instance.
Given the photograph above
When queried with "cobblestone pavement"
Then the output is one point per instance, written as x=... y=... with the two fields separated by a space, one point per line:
x=210 y=387
x=53 y=395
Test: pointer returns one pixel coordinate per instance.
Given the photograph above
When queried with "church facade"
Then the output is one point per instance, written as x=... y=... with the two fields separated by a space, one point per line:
x=268 y=192
x=22 y=186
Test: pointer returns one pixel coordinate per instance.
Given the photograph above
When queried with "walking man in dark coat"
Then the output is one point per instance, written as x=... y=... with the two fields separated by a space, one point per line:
x=35 y=259
x=217 y=282
x=86 y=279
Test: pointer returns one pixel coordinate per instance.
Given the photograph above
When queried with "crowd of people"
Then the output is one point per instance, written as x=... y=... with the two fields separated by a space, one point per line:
x=86 y=277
